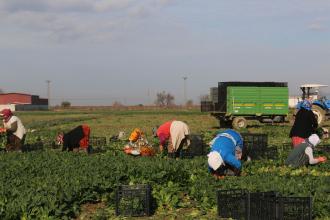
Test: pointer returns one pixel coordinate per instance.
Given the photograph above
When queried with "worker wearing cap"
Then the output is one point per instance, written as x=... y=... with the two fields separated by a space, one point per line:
x=14 y=129
x=173 y=134
x=304 y=125
x=226 y=153
x=302 y=154
x=76 y=139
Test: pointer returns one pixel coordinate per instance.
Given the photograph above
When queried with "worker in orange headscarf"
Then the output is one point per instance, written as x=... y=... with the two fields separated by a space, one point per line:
x=138 y=144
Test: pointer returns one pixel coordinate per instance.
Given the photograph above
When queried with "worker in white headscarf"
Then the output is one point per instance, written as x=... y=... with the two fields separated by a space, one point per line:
x=302 y=155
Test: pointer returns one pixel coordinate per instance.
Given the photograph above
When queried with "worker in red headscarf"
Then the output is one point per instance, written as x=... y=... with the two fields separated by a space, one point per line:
x=173 y=135
x=14 y=129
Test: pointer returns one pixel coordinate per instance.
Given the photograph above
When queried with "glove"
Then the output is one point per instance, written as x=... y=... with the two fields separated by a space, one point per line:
x=219 y=177
x=322 y=159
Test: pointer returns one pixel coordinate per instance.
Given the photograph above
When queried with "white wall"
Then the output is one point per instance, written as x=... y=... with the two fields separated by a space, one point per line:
x=10 y=106
x=293 y=101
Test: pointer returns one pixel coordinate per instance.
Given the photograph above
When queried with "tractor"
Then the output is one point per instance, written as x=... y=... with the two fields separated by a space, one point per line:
x=320 y=104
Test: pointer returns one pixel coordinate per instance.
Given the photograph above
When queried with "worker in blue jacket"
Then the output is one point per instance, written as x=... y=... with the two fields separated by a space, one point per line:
x=226 y=153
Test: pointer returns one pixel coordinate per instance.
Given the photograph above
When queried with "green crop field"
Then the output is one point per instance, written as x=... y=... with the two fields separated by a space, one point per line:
x=45 y=183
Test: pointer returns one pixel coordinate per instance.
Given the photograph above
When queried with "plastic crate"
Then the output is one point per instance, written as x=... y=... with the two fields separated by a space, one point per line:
x=97 y=141
x=323 y=148
x=255 y=140
x=254 y=144
x=263 y=205
x=267 y=153
x=133 y=200
x=195 y=148
x=234 y=203
x=295 y=208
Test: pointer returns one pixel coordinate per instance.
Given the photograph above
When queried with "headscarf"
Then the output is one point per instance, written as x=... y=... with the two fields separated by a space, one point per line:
x=306 y=104
x=6 y=114
x=214 y=160
x=314 y=140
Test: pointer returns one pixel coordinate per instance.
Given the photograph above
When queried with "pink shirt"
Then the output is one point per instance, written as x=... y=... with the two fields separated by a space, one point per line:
x=163 y=132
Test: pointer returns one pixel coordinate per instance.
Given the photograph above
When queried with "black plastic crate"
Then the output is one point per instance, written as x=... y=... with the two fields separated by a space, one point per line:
x=241 y=204
x=263 y=205
x=323 y=148
x=195 y=148
x=254 y=144
x=234 y=203
x=267 y=153
x=133 y=200
x=295 y=208
x=271 y=152
x=97 y=141
x=251 y=140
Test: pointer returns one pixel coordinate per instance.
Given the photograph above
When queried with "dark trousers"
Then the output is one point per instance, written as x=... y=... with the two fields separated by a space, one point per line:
x=14 y=143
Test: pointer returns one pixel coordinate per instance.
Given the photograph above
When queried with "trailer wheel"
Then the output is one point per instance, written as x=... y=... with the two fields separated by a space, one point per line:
x=239 y=123
x=319 y=113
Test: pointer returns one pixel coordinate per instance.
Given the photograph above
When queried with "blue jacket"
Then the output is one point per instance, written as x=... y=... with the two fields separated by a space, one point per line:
x=225 y=144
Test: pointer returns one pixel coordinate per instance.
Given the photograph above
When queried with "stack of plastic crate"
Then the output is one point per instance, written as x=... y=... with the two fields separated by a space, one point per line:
x=241 y=204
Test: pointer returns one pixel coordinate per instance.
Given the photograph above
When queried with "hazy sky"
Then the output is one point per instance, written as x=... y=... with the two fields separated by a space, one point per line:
x=101 y=51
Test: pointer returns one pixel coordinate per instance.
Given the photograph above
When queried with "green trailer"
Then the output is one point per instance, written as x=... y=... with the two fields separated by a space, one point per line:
x=238 y=102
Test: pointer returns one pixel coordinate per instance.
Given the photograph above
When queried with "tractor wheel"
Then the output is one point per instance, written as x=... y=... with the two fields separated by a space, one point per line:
x=319 y=114
x=239 y=123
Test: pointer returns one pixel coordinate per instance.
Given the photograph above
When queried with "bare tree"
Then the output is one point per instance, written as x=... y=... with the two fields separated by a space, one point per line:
x=164 y=99
x=117 y=104
x=169 y=100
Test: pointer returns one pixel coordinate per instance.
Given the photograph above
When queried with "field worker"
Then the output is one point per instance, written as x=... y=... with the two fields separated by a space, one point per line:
x=138 y=144
x=173 y=135
x=14 y=129
x=302 y=154
x=304 y=125
x=226 y=153
x=77 y=139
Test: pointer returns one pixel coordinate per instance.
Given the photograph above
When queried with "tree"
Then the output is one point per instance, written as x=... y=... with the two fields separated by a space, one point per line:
x=117 y=104
x=66 y=104
x=164 y=99
x=190 y=103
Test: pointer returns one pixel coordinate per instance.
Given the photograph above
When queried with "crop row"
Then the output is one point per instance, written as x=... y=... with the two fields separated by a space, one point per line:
x=50 y=184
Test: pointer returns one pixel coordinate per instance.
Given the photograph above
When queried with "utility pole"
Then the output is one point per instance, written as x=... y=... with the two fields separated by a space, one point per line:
x=184 y=90
x=48 y=92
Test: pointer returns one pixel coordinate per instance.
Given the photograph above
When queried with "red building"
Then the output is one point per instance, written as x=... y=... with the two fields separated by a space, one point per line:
x=23 y=101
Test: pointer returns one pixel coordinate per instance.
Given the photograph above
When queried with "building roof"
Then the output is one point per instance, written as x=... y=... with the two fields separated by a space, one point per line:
x=15 y=93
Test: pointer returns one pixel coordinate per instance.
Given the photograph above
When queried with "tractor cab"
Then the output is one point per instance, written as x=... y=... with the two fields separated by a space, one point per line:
x=321 y=105
x=312 y=91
